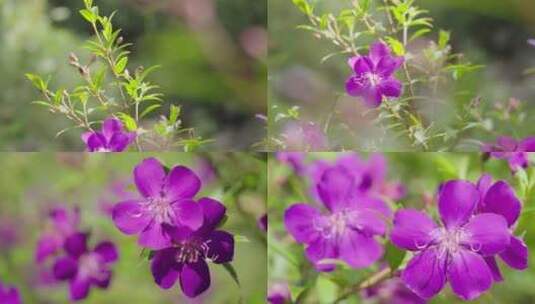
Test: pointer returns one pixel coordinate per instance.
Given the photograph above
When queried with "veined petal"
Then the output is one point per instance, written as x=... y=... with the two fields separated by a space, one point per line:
x=501 y=199
x=220 y=247
x=336 y=188
x=425 y=273
x=363 y=65
x=367 y=221
x=487 y=234
x=110 y=126
x=95 y=142
x=516 y=254
x=130 y=217
x=165 y=270
x=319 y=250
x=213 y=211
x=390 y=87
x=483 y=185
x=468 y=274
x=356 y=86
x=299 y=221
x=457 y=201
x=372 y=97
x=119 y=141
x=494 y=269
x=181 y=183
x=188 y=213
x=378 y=50
x=149 y=177
x=412 y=229
x=154 y=237
x=388 y=65
x=194 y=278
x=358 y=250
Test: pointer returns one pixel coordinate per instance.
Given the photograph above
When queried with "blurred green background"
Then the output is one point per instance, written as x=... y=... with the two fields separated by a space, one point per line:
x=212 y=54
x=30 y=183
x=492 y=33
x=421 y=173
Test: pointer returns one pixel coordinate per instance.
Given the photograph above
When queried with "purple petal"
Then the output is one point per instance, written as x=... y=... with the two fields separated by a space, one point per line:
x=149 y=177
x=517 y=160
x=356 y=86
x=378 y=50
x=79 y=289
x=110 y=126
x=119 y=141
x=322 y=249
x=181 y=183
x=388 y=65
x=76 y=244
x=425 y=273
x=85 y=136
x=457 y=200
x=372 y=97
x=336 y=188
x=494 y=269
x=368 y=221
x=390 y=87
x=213 y=211
x=130 y=217
x=376 y=205
x=358 y=250
x=96 y=142
x=164 y=268
x=412 y=229
x=46 y=246
x=220 y=247
x=65 y=268
x=188 y=213
x=501 y=199
x=351 y=61
x=194 y=278
x=154 y=237
x=527 y=145
x=507 y=144
x=483 y=185
x=363 y=65
x=487 y=234
x=299 y=221
x=516 y=254
x=107 y=252
x=103 y=280
x=468 y=274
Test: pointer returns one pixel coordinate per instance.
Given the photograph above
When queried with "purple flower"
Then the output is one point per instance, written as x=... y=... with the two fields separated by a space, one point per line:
x=205 y=170
x=454 y=252
x=118 y=190
x=186 y=259
x=346 y=231
x=63 y=223
x=392 y=291
x=512 y=150
x=83 y=267
x=263 y=222
x=9 y=295
x=112 y=138
x=9 y=234
x=279 y=293
x=500 y=198
x=293 y=159
x=372 y=78
x=304 y=136
x=167 y=201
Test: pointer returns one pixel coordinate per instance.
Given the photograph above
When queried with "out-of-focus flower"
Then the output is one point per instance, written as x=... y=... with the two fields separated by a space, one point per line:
x=167 y=201
x=186 y=259
x=9 y=295
x=500 y=198
x=293 y=159
x=263 y=222
x=62 y=223
x=454 y=252
x=531 y=42
x=279 y=293
x=9 y=234
x=304 y=136
x=254 y=42
x=205 y=170
x=111 y=138
x=369 y=175
x=372 y=78
x=392 y=291
x=84 y=268
x=348 y=229
x=508 y=148
x=117 y=191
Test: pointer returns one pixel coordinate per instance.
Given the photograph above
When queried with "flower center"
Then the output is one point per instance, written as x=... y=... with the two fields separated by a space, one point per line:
x=449 y=241
x=332 y=226
x=161 y=209
x=89 y=266
x=103 y=149
x=190 y=251
x=374 y=79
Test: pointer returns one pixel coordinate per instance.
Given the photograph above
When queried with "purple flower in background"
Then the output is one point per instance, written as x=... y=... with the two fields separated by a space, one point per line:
x=304 y=136
x=512 y=150
x=118 y=190
x=392 y=291
x=263 y=222
x=500 y=198
x=84 y=268
x=205 y=170
x=369 y=175
x=112 y=137
x=296 y=160
x=63 y=223
x=186 y=260
x=346 y=231
x=279 y=293
x=167 y=201
x=372 y=78
x=9 y=295
x=454 y=252
x=9 y=234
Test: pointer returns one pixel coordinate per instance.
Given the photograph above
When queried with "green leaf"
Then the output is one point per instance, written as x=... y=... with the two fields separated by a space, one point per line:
x=37 y=81
x=174 y=113
x=394 y=256
x=443 y=39
x=240 y=239
x=88 y=3
x=303 y=6
x=121 y=65
x=396 y=46
x=149 y=109
x=42 y=103
x=232 y=272
x=128 y=121
x=99 y=79
x=88 y=15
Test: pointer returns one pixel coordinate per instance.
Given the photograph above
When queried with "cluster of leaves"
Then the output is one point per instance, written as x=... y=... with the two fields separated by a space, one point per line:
x=427 y=71
x=128 y=95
